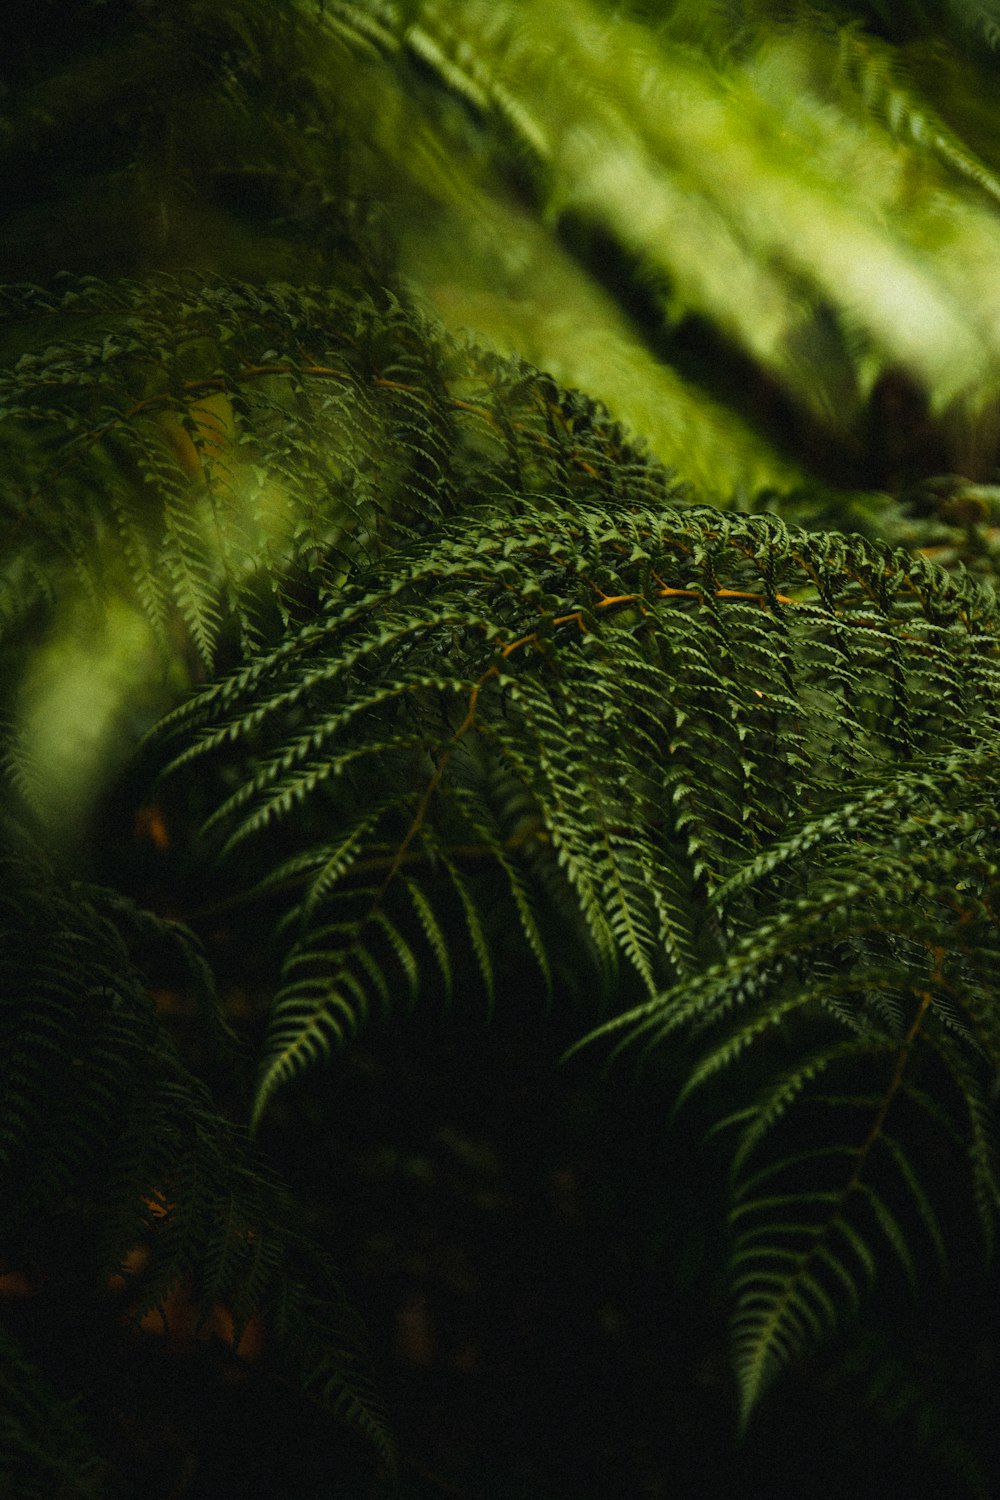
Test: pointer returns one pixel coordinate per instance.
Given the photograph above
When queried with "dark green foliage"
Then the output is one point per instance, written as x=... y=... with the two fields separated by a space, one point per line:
x=392 y=665
x=110 y=1148
x=46 y=1444
x=742 y=674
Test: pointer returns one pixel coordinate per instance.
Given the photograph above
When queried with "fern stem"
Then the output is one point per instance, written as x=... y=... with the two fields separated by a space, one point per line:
x=895 y=1083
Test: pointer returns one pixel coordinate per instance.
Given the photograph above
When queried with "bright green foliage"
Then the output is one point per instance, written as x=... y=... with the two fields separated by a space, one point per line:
x=644 y=207
x=335 y=394
x=709 y=151
x=184 y=473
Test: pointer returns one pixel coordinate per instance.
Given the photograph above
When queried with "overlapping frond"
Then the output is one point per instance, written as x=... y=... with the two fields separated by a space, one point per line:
x=465 y=690
x=779 y=173
x=671 y=690
x=754 y=231
x=194 y=460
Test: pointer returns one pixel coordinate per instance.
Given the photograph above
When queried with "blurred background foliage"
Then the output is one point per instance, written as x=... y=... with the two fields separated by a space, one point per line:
x=763 y=234
x=766 y=236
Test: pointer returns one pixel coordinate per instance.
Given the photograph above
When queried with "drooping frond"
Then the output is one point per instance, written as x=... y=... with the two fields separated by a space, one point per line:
x=882 y=979
x=669 y=689
x=125 y=1191
x=468 y=692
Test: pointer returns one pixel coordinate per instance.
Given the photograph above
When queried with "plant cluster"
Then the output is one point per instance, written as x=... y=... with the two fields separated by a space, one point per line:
x=342 y=611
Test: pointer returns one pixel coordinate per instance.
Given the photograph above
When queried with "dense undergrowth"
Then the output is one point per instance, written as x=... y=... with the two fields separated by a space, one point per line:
x=499 y=642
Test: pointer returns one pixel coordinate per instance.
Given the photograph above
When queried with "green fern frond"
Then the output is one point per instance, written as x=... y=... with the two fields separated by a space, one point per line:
x=731 y=151
x=187 y=492
x=901 y=955
x=871 y=70
x=700 y=647
x=461 y=693
x=110 y=1146
x=43 y=1441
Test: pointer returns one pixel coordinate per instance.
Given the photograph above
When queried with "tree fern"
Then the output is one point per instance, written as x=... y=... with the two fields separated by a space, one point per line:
x=339 y=601
x=728 y=643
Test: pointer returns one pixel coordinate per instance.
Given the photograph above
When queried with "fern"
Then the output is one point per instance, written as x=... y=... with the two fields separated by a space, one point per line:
x=119 y=1172
x=355 y=433
x=899 y=956
x=729 y=643
x=44 y=1442
x=333 y=569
